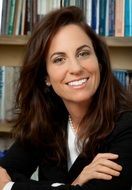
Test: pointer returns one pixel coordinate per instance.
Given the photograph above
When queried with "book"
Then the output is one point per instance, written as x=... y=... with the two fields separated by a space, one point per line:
x=128 y=18
x=34 y=13
x=7 y=16
x=95 y=16
x=17 y=19
x=23 y=17
x=8 y=83
x=3 y=19
x=111 y=18
x=1 y=4
x=2 y=95
x=102 y=17
x=11 y=17
x=124 y=77
x=88 y=12
x=119 y=17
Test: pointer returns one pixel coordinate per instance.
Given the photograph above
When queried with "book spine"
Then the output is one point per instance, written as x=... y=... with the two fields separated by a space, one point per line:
x=4 y=13
x=2 y=94
x=107 y=19
x=94 y=18
x=102 y=17
x=128 y=17
x=18 y=12
x=7 y=16
x=119 y=17
x=1 y=5
x=111 y=18
x=23 y=17
x=89 y=12
x=8 y=84
x=11 y=17
x=34 y=14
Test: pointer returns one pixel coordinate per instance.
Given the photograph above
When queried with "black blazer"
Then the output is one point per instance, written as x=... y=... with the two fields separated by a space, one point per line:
x=21 y=161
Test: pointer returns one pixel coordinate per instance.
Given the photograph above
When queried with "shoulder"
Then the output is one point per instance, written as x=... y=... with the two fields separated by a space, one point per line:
x=123 y=125
x=120 y=139
x=124 y=121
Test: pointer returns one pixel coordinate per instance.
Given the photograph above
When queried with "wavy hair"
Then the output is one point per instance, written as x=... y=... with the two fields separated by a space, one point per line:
x=41 y=116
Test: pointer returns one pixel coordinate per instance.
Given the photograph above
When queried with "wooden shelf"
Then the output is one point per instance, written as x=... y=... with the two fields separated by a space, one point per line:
x=12 y=50
x=5 y=127
x=22 y=40
x=14 y=40
x=119 y=41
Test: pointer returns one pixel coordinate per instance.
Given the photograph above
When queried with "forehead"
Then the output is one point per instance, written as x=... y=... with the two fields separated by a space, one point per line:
x=69 y=36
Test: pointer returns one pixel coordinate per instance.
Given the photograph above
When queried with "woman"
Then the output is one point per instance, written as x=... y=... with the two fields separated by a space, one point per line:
x=74 y=120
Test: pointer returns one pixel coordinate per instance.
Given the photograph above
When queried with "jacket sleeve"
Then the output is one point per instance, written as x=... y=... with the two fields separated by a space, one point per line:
x=18 y=158
x=120 y=142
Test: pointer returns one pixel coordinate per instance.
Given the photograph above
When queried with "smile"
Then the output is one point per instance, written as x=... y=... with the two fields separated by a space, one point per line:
x=77 y=82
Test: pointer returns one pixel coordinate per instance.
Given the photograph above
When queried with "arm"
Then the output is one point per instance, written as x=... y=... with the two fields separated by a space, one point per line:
x=119 y=142
x=18 y=158
x=102 y=167
x=4 y=178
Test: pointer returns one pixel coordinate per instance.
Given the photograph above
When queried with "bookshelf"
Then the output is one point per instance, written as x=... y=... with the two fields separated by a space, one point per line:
x=5 y=128
x=120 y=50
x=22 y=40
x=12 y=50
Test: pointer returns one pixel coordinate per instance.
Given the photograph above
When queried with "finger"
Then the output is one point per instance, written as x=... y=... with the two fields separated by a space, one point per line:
x=106 y=170
x=110 y=164
x=104 y=176
x=110 y=156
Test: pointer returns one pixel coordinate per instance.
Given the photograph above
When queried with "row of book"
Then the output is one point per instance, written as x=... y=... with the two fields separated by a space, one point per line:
x=125 y=78
x=111 y=17
x=5 y=143
x=8 y=83
x=106 y=17
x=18 y=17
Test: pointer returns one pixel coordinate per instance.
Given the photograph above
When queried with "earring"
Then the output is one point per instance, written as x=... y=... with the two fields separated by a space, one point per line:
x=48 y=83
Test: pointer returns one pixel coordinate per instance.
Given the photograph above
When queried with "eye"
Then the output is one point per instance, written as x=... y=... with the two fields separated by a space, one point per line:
x=83 y=54
x=58 y=60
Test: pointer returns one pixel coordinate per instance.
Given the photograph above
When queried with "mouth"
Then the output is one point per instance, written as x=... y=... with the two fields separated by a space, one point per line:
x=78 y=82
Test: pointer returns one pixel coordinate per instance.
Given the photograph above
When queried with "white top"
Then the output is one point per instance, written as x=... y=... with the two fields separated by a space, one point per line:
x=8 y=186
x=72 y=152
x=72 y=148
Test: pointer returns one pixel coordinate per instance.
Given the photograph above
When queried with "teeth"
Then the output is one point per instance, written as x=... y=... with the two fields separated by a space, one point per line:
x=76 y=83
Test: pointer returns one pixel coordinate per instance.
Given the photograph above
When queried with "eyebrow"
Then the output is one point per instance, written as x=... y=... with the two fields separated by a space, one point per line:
x=83 y=46
x=57 y=53
x=78 y=49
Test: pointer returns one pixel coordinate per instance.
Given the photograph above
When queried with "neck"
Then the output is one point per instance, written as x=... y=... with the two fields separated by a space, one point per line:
x=76 y=112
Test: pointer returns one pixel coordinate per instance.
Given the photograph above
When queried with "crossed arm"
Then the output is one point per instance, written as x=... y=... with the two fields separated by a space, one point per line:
x=102 y=167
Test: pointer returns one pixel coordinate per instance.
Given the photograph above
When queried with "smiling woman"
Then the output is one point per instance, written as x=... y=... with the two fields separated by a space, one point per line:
x=66 y=83
x=73 y=72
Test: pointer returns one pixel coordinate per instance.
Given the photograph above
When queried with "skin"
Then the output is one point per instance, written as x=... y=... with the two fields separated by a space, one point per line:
x=73 y=71
x=102 y=167
x=4 y=178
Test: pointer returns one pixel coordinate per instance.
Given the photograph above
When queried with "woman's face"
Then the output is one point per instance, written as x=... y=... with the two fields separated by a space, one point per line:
x=72 y=66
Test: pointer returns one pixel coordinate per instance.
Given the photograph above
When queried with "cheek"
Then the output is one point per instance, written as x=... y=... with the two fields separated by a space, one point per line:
x=55 y=76
x=93 y=66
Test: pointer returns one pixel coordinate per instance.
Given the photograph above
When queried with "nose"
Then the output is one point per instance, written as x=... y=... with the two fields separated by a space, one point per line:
x=74 y=66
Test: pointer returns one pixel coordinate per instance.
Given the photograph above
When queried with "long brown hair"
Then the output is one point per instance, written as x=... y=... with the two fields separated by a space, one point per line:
x=41 y=115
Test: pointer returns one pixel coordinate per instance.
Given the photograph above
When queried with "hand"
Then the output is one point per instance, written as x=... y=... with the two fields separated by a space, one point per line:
x=4 y=178
x=102 y=167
